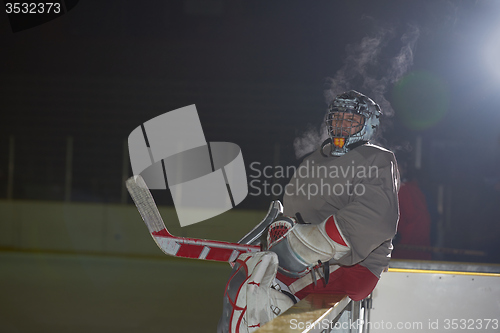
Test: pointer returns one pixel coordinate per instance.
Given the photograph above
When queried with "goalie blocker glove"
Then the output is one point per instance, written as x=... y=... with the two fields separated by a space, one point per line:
x=303 y=247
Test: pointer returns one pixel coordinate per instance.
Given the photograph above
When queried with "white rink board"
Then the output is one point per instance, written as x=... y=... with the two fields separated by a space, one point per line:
x=435 y=302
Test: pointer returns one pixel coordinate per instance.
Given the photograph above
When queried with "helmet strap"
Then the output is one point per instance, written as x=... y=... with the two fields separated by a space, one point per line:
x=327 y=142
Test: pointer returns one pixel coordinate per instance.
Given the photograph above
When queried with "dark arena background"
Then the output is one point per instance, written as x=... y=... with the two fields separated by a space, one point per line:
x=74 y=252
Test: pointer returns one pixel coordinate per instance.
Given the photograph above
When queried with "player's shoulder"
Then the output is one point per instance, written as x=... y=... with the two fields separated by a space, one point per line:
x=373 y=152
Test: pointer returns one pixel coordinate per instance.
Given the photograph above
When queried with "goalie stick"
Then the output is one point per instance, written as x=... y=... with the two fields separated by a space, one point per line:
x=180 y=246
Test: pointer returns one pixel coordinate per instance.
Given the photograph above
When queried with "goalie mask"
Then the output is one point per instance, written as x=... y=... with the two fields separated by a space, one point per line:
x=352 y=117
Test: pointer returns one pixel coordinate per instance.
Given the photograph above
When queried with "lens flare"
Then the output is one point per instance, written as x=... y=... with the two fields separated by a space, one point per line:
x=421 y=100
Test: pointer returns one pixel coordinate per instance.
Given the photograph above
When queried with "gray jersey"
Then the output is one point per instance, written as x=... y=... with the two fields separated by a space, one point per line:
x=360 y=189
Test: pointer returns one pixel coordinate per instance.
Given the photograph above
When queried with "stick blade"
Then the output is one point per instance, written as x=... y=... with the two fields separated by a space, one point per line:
x=145 y=203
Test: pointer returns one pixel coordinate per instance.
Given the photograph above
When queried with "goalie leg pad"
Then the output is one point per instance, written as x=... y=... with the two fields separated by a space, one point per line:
x=314 y=242
x=305 y=247
x=249 y=301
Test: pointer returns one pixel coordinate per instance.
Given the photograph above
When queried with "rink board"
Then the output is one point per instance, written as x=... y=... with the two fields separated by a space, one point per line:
x=424 y=300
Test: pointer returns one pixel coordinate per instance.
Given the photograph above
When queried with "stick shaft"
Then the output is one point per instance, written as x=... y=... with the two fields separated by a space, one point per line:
x=179 y=246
